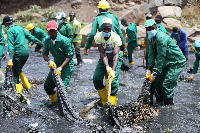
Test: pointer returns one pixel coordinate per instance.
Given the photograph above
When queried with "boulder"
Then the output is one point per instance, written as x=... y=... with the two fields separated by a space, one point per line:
x=175 y=2
x=85 y=31
x=141 y=33
x=76 y=4
x=193 y=34
x=169 y=23
x=167 y=11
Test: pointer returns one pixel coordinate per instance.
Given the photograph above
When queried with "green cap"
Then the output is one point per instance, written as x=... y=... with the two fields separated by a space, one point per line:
x=149 y=23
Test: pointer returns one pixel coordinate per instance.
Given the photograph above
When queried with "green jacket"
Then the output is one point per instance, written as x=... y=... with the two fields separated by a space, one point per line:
x=161 y=28
x=196 y=63
x=131 y=32
x=163 y=52
x=2 y=41
x=60 y=51
x=97 y=26
x=39 y=34
x=16 y=37
x=66 y=30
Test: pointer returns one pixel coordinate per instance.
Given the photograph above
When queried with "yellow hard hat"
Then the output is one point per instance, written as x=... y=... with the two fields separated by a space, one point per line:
x=29 y=27
x=103 y=4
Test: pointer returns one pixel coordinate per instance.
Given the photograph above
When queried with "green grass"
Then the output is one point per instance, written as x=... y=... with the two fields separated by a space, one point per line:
x=174 y=17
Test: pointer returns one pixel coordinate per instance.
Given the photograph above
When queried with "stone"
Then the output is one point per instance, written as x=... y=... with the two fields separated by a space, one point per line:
x=169 y=23
x=167 y=11
x=141 y=33
x=175 y=2
x=151 y=5
x=193 y=34
x=85 y=31
x=76 y=4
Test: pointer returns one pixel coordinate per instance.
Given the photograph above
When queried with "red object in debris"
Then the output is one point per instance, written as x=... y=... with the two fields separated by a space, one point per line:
x=90 y=18
x=40 y=50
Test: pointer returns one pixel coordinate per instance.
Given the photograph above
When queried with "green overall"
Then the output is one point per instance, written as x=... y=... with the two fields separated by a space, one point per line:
x=17 y=48
x=168 y=61
x=161 y=28
x=40 y=35
x=97 y=26
x=61 y=50
x=66 y=30
x=132 y=41
x=2 y=44
x=196 y=63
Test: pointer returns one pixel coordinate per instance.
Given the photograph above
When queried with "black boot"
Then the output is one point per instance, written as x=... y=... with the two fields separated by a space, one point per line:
x=79 y=60
x=168 y=101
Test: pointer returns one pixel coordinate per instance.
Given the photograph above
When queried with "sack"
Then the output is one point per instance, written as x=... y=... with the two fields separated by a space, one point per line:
x=125 y=64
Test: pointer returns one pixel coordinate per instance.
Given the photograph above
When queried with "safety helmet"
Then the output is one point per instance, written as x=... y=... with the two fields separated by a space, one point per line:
x=29 y=27
x=61 y=15
x=103 y=4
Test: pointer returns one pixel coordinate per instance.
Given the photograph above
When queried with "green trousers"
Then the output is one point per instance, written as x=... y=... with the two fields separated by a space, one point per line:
x=19 y=59
x=49 y=84
x=130 y=49
x=1 y=52
x=166 y=82
x=101 y=71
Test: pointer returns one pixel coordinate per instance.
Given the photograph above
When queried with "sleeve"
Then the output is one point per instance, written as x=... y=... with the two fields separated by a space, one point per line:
x=164 y=30
x=45 y=49
x=131 y=35
x=151 y=55
x=184 y=41
x=117 y=40
x=68 y=49
x=70 y=33
x=11 y=47
x=119 y=31
x=77 y=29
x=92 y=34
x=28 y=36
x=44 y=36
x=161 y=53
x=97 y=38
x=172 y=35
x=196 y=64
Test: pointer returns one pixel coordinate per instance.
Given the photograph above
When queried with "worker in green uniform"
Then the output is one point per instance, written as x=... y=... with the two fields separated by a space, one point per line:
x=18 y=49
x=76 y=25
x=158 y=21
x=2 y=44
x=197 y=55
x=61 y=50
x=110 y=61
x=132 y=41
x=103 y=12
x=64 y=28
x=166 y=59
x=38 y=33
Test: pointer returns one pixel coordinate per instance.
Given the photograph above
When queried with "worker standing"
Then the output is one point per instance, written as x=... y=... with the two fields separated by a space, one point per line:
x=64 y=28
x=76 y=25
x=159 y=25
x=18 y=49
x=110 y=61
x=132 y=41
x=38 y=33
x=181 y=37
x=103 y=12
x=2 y=43
x=61 y=50
x=166 y=59
x=197 y=55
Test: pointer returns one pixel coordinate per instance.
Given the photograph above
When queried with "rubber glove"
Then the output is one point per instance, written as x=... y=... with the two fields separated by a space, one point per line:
x=29 y=46
x=58 y=71
x=51 y=64
x=147 y=73
x=109 y=69
x=85 y=52
x=151 y=77
x=191 y=78
x=111 y=75
x=126 y=45
x=125 y=51
x=143 y=44
x=10 y=63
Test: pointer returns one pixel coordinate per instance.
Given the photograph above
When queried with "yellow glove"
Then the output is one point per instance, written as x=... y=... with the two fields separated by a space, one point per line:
x=109 y=69
x=51 y=64
x=143 y=44
x=85 y=52
x=10 y=63
x=191 y=78
x=151 y=77
x=29 y=46
x=111 y=75
x=58 y=71
x=126 y=45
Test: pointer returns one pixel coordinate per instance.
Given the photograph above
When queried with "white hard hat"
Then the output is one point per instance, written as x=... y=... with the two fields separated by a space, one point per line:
x=61 y=15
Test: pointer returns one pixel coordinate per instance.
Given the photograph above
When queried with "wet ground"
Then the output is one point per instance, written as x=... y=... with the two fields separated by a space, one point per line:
x=184 y=116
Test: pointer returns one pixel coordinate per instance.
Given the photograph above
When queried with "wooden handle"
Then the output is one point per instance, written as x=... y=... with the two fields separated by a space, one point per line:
x=109 y=90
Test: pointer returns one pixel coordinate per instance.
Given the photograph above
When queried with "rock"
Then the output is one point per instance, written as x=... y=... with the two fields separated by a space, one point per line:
x=76 y=4
x=166 y=11
x=141 y=33
x=85 y=31
x=175 y=2
x=193 y=34
x=169 y=23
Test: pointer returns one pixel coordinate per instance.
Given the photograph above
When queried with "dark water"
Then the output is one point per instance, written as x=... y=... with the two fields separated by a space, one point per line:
x=184 y=116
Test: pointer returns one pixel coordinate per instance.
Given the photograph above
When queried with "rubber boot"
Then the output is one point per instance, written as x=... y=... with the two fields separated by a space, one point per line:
x=25 y=82
x=79 y=60
x=53 y=97
x=168 y=101
x=19 y=88
x=103 y=95
x=113 y=100
x=131 y=63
